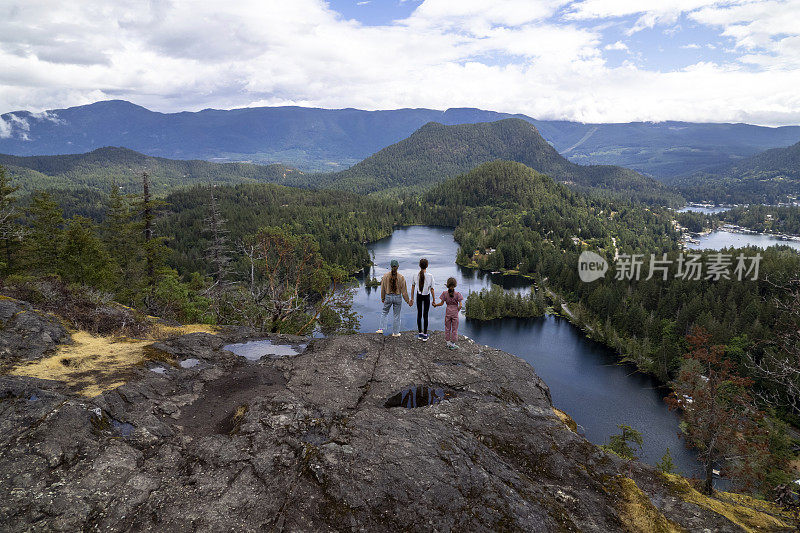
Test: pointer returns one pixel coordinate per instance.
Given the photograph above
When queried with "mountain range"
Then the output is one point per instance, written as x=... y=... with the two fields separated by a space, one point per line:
x=429 y=156
x=333 y=139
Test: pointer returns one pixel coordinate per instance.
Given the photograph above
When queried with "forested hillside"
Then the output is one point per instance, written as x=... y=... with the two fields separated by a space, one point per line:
x=436 y=152
x=342 y=223
x=765 y=218
x=769 y=177
x=100 y=169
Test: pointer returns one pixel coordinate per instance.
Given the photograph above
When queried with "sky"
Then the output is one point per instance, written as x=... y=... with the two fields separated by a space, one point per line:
x=583 y=60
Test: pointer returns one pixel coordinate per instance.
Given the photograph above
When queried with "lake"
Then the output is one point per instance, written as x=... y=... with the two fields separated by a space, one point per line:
x=584 y=376
x=706 y=210
x=719 y=239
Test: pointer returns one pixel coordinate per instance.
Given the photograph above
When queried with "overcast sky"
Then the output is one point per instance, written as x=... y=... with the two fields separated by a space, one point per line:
x=585 y=60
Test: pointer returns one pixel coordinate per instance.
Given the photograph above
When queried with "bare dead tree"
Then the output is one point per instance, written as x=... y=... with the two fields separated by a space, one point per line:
x=217 y=251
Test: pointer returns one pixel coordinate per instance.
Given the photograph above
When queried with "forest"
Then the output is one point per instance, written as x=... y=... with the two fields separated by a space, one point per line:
x=765 y=218
x=105 y=168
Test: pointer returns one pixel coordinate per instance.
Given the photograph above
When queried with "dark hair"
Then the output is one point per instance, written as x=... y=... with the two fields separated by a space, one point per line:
x=451 y=285
x=393 y=280
x=423 y=264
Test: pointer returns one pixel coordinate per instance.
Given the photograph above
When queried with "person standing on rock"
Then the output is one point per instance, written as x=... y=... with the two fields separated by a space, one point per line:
x=422 y=291
x=393 y=291
x=453 y=300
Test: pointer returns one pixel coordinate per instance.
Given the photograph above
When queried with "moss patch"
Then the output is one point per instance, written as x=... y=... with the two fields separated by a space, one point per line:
x=748 y=513
x=636 y=510
x=566 y=419
x=93 y=364
x=90 y=365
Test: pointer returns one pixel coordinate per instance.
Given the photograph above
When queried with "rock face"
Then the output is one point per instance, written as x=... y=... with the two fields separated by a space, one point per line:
x=325 y=440
x=25 y=333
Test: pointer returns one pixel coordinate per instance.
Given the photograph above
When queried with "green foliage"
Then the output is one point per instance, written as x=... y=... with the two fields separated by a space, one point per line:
x=46 y=234
x=10 y=230
x=342 y=223
x=666 y=465
x=626 y=444
x=765 y=218
x=83 y=258
x=497 y=303
x=694 y=221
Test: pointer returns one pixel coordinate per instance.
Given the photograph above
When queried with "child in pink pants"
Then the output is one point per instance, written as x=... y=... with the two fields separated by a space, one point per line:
x=453 y=300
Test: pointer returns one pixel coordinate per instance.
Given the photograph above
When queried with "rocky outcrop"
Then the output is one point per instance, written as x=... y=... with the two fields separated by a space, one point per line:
x=26 y=334
x=357 y=433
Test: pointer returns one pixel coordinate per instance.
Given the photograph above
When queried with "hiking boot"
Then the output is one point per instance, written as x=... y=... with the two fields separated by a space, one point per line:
x=425 y=336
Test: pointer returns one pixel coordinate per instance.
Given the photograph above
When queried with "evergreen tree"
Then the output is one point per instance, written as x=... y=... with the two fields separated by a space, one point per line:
x=46 y=235
x=10 y=230
x=83 y=256
x=120 y=234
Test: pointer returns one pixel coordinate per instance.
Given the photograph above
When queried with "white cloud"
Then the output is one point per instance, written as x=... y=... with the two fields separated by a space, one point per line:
x=619 y=45
x=691 y=46
x=516 y=56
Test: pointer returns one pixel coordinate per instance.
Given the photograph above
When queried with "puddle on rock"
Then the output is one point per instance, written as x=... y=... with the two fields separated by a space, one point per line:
x=361 y=355
x=418 y=397
x=189 y=363
x=33 y=398
x=122 y=428
x=255 y=350
x=159 y=370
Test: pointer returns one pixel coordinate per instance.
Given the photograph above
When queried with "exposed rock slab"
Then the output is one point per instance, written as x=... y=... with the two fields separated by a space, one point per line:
x=26 y=334
x=306 y=443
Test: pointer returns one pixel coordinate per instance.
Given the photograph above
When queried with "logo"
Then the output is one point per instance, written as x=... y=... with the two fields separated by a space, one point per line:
x=591 y=266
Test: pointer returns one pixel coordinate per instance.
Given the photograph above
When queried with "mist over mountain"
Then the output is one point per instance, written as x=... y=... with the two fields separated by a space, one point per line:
x=334 y=139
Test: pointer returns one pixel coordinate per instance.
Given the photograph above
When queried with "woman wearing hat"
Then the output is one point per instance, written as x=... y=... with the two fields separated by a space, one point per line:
x=393 y=291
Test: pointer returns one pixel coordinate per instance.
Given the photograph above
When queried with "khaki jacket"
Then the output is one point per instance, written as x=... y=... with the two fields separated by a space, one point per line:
x=402 y=288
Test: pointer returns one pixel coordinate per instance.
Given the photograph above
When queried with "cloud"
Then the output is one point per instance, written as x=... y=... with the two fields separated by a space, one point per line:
x=619 y=45
x=691 y=46
x=544 y=58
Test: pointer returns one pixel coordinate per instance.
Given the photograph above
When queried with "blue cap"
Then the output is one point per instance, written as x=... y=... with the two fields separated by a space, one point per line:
x=394 y=263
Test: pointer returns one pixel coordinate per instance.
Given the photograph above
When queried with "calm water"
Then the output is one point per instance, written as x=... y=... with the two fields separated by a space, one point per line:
x=584 y=377
x=717 y=240
x=704 y=210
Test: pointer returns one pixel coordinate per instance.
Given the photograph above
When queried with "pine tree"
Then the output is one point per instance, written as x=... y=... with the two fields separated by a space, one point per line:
x=46 y=236
x=83 y=256
x=120 y=238
x=10 y=230
x=155 y=251
x=666 y=465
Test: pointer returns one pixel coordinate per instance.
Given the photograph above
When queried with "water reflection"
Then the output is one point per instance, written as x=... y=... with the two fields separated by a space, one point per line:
x=418 y=397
